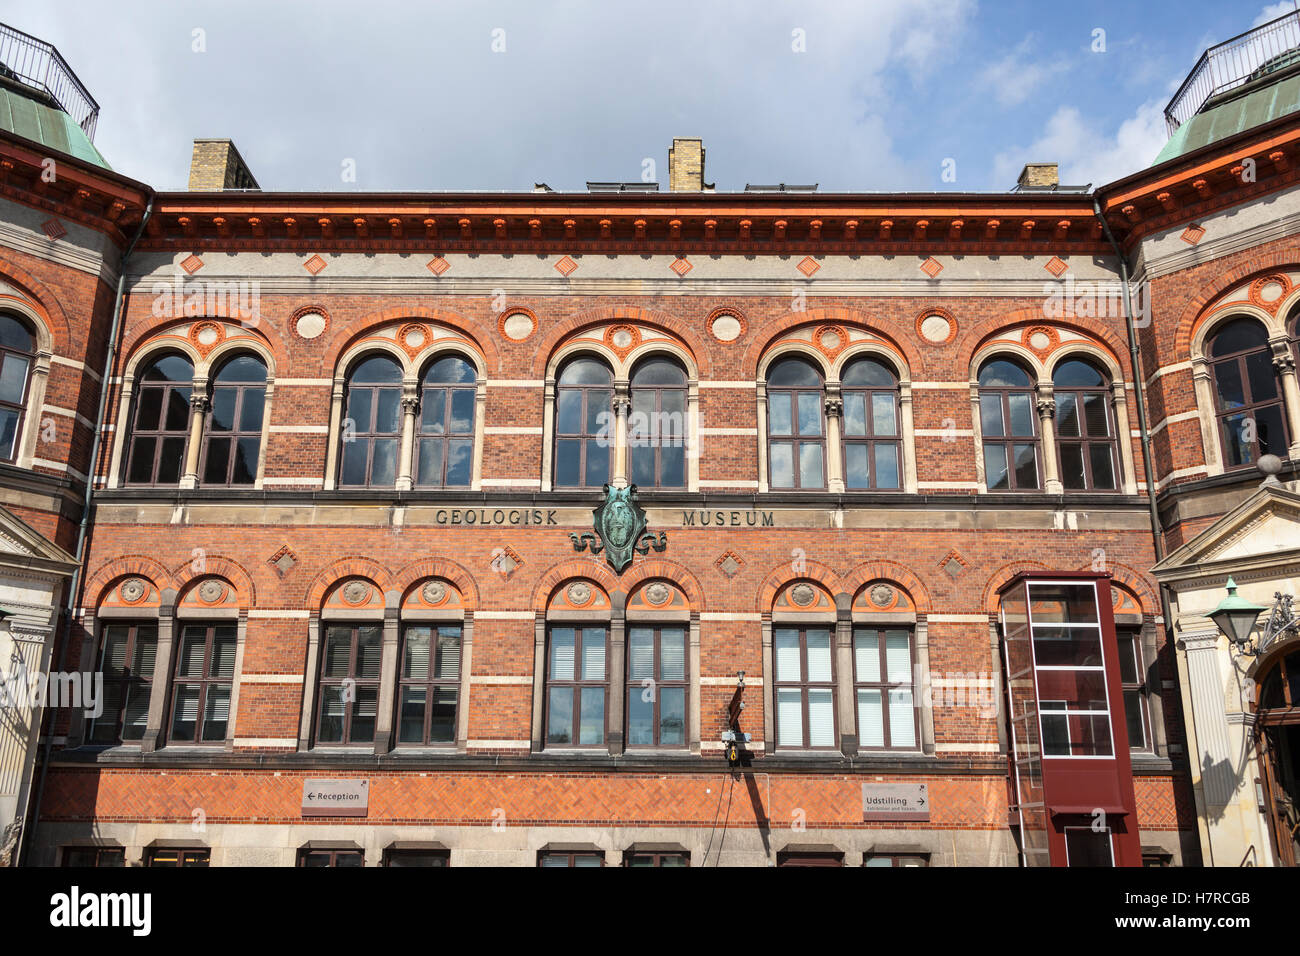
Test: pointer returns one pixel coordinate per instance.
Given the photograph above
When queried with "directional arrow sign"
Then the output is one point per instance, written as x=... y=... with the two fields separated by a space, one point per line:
x=896 y=801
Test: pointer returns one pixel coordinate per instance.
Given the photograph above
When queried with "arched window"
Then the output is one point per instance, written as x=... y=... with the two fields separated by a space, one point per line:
x=872 y=452
x=232 y=435
x=17 y=352
x=584 y=418
x=160 y=425
x=1009 y=426
x=796 y=433
x=445 y=453
x=1085 y=428
x=372 y=426
x=656 y=427
x=1247 y=395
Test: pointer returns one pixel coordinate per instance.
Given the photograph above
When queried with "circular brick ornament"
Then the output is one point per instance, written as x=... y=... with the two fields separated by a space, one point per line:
x=518 y=326
x=310 y=322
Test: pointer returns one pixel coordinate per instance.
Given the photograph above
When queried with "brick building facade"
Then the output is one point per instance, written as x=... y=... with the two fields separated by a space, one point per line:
x=342 y=544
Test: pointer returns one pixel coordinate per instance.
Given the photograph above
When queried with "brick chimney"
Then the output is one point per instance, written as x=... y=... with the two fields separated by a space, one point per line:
x=216 y=164
x=686 y=166
x=1039 y=176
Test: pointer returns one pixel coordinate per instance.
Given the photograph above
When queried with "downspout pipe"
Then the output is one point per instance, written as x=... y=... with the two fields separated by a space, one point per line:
x=83 y=530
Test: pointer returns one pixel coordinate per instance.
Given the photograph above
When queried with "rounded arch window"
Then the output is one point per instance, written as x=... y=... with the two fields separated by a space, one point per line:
x=584 y=420
x=1247 y=393
x=232 y=434
x=372 y=423
x=1085 y=427
x=1008 y=426
x=872 y=449
x=160 y=423
x=656 y=425
x=796 y=431
x=17 y=353
x=445 y=440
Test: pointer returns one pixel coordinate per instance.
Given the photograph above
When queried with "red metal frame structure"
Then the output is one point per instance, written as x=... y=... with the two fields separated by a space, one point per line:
x=1072 y=776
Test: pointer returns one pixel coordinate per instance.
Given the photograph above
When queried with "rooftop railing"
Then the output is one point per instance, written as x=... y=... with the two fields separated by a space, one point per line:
x=39 y=66
x=1233 y=63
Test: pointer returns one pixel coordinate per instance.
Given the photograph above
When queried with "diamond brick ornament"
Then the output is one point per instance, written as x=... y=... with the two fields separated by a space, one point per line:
x=1193 y=234
x=808 y=265
x=438 y=265
x=1056 y=266
x=681 y=266
x=54 y=229
x=191 y=263
x=315 y=265
x=566 y=266
x=932 y=267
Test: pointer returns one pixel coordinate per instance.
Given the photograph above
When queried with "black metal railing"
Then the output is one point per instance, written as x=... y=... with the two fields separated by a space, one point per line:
x=1232 y=63
x=38 y=65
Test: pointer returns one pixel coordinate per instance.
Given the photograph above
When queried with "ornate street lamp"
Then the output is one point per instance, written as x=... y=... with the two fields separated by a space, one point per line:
x=1236 y=618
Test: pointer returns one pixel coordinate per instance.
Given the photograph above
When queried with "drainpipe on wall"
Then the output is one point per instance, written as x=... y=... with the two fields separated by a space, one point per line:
x=33 y=806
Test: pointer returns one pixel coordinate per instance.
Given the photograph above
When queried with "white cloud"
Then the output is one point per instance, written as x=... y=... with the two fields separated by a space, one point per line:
x=1016 y=77
x=415 y=94
x=1273 y=11
x=1086 y=153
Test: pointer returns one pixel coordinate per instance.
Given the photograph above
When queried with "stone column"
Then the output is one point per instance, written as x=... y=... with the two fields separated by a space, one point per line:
x=761 y=393
x=199 y=405
x=1150 y=637
x=617 y=675
x=333 y=452
x=162 y=669
x=1209 y=418
x=908 y=438
x=692 y=436
x=1215 y=760
x=1127 y=478
x=1047 y=425
x=241 y=636
x=980 y=477
x=1284 y=362
x=405 y=459
x=309 y=682
x=995 y=660
x=622 y=405
x=466 y=670
x=769 y=688
x=387 y=677
x=693 y=704
x=539 y=679
x=548 y=434
x=834 y=447
x=844 y=702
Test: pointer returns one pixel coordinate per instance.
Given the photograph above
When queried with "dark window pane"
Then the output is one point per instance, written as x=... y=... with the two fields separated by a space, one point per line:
x=442 y=722
x=215 y=469
x=1270 y=431
x=148 y=410
x=810 y=413
x=388 y=411
x=410 y=721
x=1074 y=373
x=1026 y=466
x=600 y=418
x=782 y=455
x=641 y=465
x=1238 y=335
x=354 y=463
x=672 y=467
x=1067 y=414
x=995 y=467
x=171 y=459
x=991 y=416
x=383 y=465
x=1072 y=473
x=559 y=716
x=223 y=409
x=1133 y=720
x=359 y=407
x=568 y=462
x=810 y=465
x=377 y=370
x=640 y=717
x=430 y=470
x=13 y=379
x=1103 y=466
x=597 y=462
x=856 y=471
x=1021 y=406
x=1227 y=378
x=568 y=412
x=887 y=465
x=14 y=334
x=8 y=432
x=585 y=372
x=242 y=368
x=250 y=413
x=1095 y=417
x=462 y=411
x=793 y=372
x=672 y=716
x=1000 y=373
x=591 y=729
x=460 y=461
x=142 y=451
x=433 y=410
x=246 y=456
x=178 y=410
x=779 y=420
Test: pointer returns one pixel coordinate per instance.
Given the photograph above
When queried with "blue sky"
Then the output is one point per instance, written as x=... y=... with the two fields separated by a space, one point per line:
x=500 y=94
